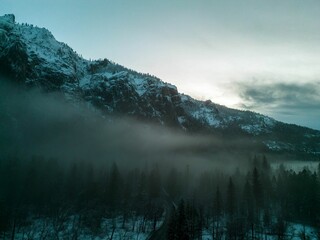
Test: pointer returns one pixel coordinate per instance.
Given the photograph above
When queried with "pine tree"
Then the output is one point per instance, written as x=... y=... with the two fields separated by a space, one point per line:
x=217 y=206
x=257 y=190
x=182 y=231
x=114 y=187
x=231 y=199
x=172 y=227
x=154 y=183
x=217 y=211
x=172 y=186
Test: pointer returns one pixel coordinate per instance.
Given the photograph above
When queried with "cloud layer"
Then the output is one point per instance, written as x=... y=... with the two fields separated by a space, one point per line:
x=285 y=101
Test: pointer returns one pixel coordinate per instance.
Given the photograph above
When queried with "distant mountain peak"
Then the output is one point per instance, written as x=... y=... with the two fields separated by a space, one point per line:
x=33 y=57
x=10 y=18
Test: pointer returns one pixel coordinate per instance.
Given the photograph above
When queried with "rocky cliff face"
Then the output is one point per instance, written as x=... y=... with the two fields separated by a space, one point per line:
x=33 y=57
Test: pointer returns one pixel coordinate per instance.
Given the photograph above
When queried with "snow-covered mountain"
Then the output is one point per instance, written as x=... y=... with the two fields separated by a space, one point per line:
x=33 y=57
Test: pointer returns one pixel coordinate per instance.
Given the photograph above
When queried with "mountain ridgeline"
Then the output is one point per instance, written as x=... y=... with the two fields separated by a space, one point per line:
x=32 y=58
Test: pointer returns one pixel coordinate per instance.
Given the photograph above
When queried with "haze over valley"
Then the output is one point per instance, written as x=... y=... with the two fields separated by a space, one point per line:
x=92 y=149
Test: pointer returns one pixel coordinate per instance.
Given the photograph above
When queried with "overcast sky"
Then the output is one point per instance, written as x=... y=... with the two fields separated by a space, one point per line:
x=258 y=55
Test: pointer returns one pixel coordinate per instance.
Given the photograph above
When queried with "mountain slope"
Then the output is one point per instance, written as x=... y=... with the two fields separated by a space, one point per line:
x=33 y=57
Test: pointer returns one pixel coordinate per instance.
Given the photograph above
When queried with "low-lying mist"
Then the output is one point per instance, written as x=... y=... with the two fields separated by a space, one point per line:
x=64 y=163
x=34 y=122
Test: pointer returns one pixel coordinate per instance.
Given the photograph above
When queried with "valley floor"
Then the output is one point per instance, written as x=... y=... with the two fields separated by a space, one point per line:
x=111 y=229
x=133 y=229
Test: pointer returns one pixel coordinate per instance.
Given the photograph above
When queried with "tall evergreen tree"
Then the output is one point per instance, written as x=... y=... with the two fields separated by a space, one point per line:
x=182 y=231
x=114 y=189
x=231 y=199
x=257 y=189
x=217 y=205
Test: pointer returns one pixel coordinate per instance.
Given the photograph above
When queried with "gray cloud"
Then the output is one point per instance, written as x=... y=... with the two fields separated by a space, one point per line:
x=293 y=102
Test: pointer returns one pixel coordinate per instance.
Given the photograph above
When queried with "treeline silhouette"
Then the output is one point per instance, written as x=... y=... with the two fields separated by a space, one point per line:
x=246 y=204
x=254 y=204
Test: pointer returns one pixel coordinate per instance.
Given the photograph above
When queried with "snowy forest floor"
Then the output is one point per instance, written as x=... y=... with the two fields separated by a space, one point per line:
x=133 y=229
x=111 y=229
x=294 y=231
